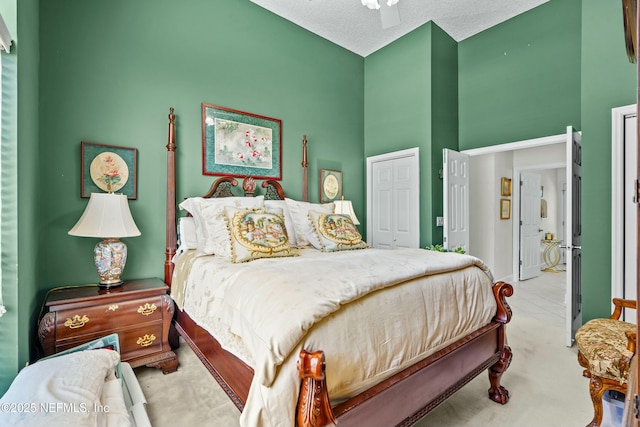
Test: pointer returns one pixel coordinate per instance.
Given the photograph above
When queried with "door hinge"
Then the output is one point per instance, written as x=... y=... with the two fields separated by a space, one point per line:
x=636 y=406
x=636 y=195
x=520 y=262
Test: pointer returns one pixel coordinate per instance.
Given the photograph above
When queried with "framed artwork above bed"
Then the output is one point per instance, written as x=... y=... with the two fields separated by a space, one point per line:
x=236 y=143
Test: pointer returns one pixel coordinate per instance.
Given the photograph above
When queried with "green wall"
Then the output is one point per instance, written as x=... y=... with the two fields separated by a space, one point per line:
x=608 y=80
x=521 y=79
x=444 y=131
x=411 y=101
x=28 y=213
x=111 y=70
x=19 y=187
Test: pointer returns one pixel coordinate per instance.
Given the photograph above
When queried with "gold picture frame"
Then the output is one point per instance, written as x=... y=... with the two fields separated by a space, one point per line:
x=330 y=185
x=505 y=209
x=505 y=187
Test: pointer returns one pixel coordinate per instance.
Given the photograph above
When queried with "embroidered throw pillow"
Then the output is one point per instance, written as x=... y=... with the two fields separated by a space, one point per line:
x=288 y=220
x=257 y=233
x=334 y=232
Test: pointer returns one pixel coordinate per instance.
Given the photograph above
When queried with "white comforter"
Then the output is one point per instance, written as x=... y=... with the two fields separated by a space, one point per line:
x=265 y=311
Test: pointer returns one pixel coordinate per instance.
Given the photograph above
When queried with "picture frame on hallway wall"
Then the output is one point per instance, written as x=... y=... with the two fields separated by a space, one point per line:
x=505 y=208
x=505 y=188
x=330 y=185
x=108 y=169
x=238 y=144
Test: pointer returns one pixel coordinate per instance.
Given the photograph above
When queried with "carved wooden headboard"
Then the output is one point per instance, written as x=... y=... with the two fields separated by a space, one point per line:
x=222 y=187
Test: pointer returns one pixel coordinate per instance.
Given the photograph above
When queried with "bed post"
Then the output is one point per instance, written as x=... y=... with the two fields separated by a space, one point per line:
x=171 y=200
x=498 y=393
x=305 y=171
x=313 y=409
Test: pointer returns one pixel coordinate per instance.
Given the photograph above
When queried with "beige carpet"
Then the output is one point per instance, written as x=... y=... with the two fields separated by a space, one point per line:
x=544 y=380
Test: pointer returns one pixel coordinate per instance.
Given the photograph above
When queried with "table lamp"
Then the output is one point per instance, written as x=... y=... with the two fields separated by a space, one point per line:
x=346 y=208
x=107 y=216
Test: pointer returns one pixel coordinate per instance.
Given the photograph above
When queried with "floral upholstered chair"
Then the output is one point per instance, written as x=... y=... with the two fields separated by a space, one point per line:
x=605 y=349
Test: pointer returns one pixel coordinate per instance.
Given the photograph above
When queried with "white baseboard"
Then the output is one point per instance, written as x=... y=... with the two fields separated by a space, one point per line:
x=508 y=279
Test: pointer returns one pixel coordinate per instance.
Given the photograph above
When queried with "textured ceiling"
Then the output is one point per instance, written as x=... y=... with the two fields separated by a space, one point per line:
x=355 y=27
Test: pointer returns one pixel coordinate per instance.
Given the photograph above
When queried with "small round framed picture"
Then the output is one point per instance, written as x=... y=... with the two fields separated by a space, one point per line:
x=330 y=185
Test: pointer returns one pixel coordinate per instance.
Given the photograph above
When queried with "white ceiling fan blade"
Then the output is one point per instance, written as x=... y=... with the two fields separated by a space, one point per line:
x=389 y=15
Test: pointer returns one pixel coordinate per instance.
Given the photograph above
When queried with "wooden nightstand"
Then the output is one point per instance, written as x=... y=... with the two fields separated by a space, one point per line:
x=140 y=312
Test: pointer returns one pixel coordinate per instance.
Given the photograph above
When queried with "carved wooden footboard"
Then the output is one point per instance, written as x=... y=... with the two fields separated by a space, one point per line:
x=433 y=379
x=412 y=393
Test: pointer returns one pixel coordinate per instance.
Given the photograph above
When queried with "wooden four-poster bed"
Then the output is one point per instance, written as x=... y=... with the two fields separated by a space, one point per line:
x=417 y=379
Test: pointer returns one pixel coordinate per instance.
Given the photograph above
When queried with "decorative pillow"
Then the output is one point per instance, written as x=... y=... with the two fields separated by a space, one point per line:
x=299 y=214
x=211 y=228
x=187 y=236
x=257 y=233
x=334 y=232
x=288 y=220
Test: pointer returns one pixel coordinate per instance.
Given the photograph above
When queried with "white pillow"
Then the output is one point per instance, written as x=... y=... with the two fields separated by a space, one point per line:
x=211 y=227
x=288 y=220
x=187 y=237
x=299 y=214
x=71 y=385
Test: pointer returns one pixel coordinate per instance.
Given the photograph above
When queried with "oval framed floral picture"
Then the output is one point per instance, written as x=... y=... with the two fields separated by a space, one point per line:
x=108 y=169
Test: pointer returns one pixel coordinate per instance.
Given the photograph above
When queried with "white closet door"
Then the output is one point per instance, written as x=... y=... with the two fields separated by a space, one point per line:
x=406 y=223
x=393 y=196
x=382 y=215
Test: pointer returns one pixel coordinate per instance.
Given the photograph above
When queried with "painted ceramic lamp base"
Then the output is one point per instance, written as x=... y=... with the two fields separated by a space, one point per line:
x=110 y=256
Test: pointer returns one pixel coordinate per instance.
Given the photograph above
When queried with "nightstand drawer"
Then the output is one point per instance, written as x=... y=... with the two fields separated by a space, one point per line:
x=133 y=343
x=88 y=320
x=140 y=341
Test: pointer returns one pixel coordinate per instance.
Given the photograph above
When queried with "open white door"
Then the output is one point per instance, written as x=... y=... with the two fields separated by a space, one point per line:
x=455 y=200
x=630 y=257
x=573 y=239
x=530 y=195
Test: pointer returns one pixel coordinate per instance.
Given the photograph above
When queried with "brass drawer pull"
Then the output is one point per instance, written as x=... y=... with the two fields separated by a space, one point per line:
x=147 y=309
x=146 y=340
x=76 y=322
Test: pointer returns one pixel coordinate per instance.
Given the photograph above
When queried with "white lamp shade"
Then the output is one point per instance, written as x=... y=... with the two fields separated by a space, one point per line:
x=106 y=215
x=346 y=208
